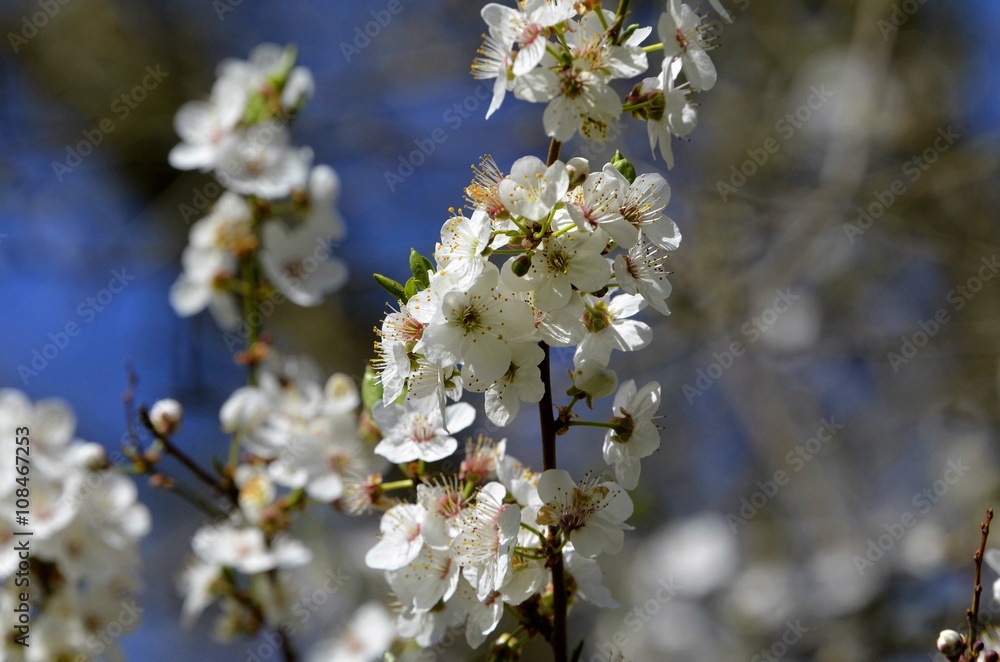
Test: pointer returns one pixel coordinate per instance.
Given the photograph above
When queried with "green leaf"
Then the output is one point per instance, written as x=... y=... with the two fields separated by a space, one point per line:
x=624 y=166
x=421 y=268
x=412 y=287
x=394 y=288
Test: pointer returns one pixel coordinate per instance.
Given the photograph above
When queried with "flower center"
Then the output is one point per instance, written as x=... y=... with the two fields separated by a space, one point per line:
x=469 y=319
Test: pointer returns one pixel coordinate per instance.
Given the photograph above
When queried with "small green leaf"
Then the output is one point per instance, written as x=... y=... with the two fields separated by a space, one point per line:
x=394 y=288
x=624 y=166
x=627 y=32
x=412 y=287
x=421 y=268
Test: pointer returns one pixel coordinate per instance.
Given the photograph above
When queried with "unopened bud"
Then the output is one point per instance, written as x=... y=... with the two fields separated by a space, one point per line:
x=521 y=266
x=578 y=168
x=991 y=656
x=506 y=649
x=166 y=416
x=594 y=379
x=951 y=644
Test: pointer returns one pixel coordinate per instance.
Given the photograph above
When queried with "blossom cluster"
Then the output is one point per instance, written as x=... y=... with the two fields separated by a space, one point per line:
x=457 y=555
x=297 y=441
x=82 y=573
x=584 y=252
x=272 y=226
x=295 y=438
x=544 y=52
x=548 y=254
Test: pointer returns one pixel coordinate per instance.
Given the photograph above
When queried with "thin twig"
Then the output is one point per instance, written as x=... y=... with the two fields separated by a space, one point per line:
x=183 y=458
x=973 y=614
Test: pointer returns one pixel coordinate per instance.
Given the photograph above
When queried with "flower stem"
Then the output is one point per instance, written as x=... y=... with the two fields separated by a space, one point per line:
x=653 y=47
x=398 y=484
x=620 y=14
x=592 y=424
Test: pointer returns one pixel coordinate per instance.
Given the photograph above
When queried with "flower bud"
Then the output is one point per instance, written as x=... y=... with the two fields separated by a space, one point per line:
x=991 y=656
x=91 y=456
x=578 y=168
x=951 y=644
x=245 y=409
x=166 y=416
x=521 y=265
x=506 y=649
x=594 y=379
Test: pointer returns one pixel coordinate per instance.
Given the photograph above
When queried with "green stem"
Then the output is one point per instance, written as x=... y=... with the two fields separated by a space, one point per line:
x=528 y=527
x=653 y=47
x=620 y=14
x=592 y=424
x=397 y=484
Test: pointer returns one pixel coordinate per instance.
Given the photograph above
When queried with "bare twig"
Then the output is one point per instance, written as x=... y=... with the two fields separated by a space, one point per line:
x=973 y=614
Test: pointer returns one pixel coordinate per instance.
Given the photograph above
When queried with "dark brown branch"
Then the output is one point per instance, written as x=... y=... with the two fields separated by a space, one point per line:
x=973 y=614
x=547 y=419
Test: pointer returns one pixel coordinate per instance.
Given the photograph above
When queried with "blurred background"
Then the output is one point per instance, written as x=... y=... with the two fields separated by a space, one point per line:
x=829 y=372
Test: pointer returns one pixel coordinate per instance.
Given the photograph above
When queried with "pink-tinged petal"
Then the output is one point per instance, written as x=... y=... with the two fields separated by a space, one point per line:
x=530 y=55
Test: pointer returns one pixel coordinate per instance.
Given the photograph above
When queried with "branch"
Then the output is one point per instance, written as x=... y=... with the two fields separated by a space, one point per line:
x=973 y=614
